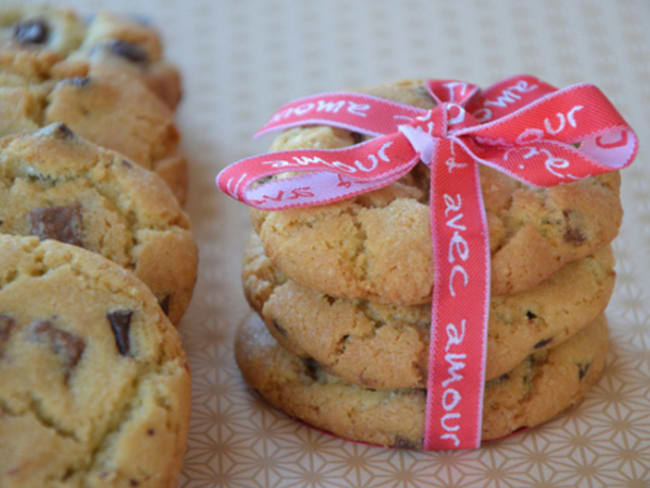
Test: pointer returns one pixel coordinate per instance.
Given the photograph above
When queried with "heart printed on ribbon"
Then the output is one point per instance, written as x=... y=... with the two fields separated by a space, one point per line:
x=520 y=126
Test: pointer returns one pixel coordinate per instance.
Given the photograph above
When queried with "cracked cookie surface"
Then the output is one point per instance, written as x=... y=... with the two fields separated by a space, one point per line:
x=95 y=385
x=539 y=388
x=377 y=246
x=55 y=184
x=357 y=339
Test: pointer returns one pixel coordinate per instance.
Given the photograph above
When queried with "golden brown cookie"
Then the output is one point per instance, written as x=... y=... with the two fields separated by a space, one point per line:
x=95 y=385
x=355 y=339
x=538 y=389
x=55 y=184
x=377 y=246
x=41 y=42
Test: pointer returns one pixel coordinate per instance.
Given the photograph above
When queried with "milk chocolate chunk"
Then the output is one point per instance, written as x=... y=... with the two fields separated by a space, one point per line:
x=120 y=321
x=33 y=31
x=129 y=51
x=68 y=346
x=60 y=223
x=7 y=323
x=573 y=233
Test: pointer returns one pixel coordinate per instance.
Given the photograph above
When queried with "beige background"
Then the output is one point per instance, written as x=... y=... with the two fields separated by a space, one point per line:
x=241 y=60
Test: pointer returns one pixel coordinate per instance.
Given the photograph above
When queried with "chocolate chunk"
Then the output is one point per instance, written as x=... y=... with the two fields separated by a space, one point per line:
x=128 y=50
x=403 y=443
x=33 y=31
x=279 y=328
x=63 y=131
x=573 y=233
x=582 y=370
x=151 y=432
x=77 y=81
x=120 y=321
x=66 y=345
x=60 y=223
x=330 y=299
x=530 y=315
x=133 y=482
x=127 y=164
x=311 y=368
x=7 y=323
x=543 y=342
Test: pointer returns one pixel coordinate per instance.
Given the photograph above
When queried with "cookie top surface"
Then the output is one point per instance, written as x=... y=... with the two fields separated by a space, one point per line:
x=356 y=339
x=41 y=41
x=95 y=385
x=55 y=184
x=535 y=391
x=377 y=246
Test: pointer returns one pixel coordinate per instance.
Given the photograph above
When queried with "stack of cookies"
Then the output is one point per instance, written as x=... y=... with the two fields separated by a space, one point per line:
x=344 y=294
x=97 y=258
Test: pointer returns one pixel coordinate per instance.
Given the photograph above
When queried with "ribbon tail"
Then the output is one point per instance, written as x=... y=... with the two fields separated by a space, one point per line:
x=460 y=305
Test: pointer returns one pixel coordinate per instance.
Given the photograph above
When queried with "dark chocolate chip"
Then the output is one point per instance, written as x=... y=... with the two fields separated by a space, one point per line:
x=77 y=81
x=151 y=432
x=279 y=328
x=133 y=482
x=128 y=50
x=403 y=443
x=530 y=315
x=582 y=370
x=543 y=342
x=120 y=321
x=61 y=223
x=33 y=31
x=2 y=222
x=63 y=131
x=68 y=346
x=7 y=323
x=330 y=299
x=311 y=368
x=164 y=304
x=127 y=164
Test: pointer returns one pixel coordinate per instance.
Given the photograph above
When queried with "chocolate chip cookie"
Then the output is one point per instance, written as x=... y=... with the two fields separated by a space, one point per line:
x=95 y=385
x=356 y=339
x=56 y=185
x=539 y=388
x=116 y=111
x=40 y=42
x=377 y=246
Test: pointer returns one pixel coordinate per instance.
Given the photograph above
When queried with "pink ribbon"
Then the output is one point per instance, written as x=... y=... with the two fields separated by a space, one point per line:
x=520 y=126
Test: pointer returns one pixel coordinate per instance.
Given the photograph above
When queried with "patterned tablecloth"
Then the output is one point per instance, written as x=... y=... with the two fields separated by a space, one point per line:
x=241 y=60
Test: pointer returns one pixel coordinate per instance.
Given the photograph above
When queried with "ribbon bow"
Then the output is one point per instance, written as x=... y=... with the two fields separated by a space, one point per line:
x=521 y=126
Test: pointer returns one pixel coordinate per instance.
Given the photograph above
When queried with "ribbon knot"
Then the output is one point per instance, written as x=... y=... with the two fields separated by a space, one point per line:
x=520 y=126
